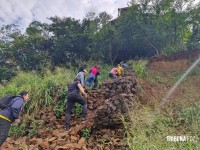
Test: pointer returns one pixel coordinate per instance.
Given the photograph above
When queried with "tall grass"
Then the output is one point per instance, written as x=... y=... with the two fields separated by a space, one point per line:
x=41 y=88
x=149 y=128
x=105 y=69
x=44 y=90
x=139 y=67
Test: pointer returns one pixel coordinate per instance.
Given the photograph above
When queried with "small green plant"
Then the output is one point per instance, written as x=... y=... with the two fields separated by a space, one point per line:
x=33 y=129
x=60 y=108
x=77 y=109
x=17 y=130
x=85 y=133
x=140 y=68
x=34 y=126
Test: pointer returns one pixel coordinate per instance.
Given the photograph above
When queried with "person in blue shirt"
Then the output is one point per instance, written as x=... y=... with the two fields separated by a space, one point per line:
x=10 y=115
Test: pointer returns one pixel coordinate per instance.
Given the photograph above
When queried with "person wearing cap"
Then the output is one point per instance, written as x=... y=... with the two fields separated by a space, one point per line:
x=124 y=65
x=74 y=96
x=10 y=114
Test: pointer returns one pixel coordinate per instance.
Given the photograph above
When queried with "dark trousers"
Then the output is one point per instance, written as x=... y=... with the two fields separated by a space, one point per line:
x=72 y=99
x=112 y=76
x=95 y=83
x=4 y=129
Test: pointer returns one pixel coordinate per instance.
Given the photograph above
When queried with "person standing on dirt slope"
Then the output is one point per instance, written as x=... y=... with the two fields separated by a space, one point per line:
x=73 y=97
x=81 y=74
x=96 y=78
x=10 y=114
x=91 y=77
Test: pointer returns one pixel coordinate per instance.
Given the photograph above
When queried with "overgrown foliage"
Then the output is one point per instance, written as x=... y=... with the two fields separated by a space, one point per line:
x=60 y=107
x=150 y=129
x=44 y=90
x=140 y=68
x=142 y=29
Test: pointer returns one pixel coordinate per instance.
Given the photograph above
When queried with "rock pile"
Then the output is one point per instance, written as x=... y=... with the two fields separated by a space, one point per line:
x=118 y=95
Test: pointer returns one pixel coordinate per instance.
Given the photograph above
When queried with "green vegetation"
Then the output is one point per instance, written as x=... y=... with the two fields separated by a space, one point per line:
x=85 y=133
x=59 y=109
x=77 y=109
x=46 y=57
x=140 y=68
x=17 y=131
x=28 y=127
x=150 y=129
x=44 y=90
x=34 y=127
x=146 y=28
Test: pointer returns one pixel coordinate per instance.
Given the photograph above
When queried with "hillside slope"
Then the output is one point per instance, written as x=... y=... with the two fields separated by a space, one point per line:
x=128 y=97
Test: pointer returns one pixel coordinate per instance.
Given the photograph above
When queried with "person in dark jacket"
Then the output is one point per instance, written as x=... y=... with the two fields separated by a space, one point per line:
x=74 y=96
x=10 y=115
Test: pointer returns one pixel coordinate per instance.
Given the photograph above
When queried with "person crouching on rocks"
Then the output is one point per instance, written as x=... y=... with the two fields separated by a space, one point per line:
x=113 y=73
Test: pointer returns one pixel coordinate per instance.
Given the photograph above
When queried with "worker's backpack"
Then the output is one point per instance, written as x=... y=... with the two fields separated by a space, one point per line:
x=4 y=101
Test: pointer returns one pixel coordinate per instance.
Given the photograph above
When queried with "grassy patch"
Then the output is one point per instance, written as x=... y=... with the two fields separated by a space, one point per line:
x=139 y=67
x=149 y=129
x=44 y=90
